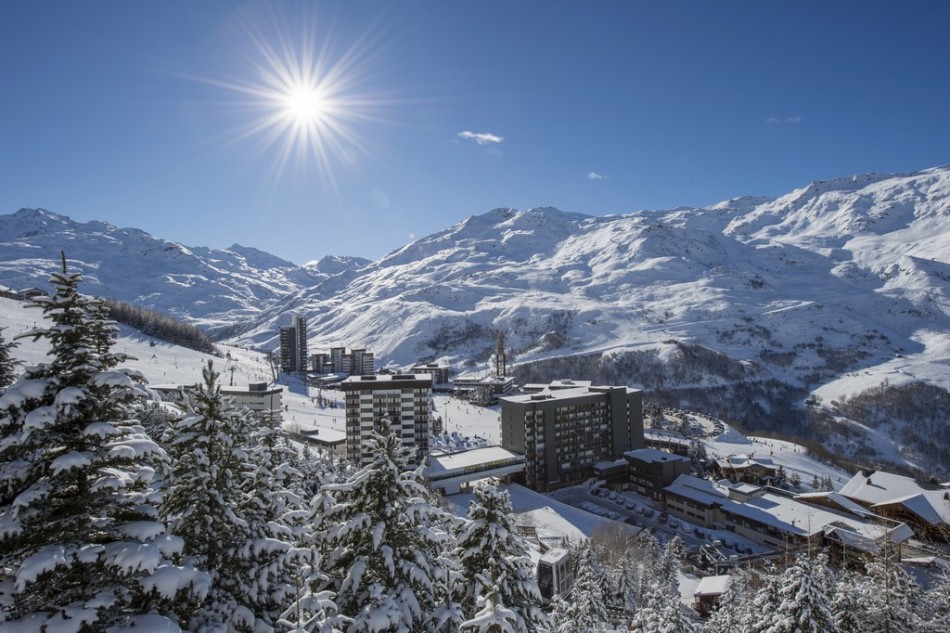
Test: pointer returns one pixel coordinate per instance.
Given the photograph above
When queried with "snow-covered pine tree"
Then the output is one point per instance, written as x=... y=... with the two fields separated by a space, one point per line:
x=217 y=501
x=8 y=363
x=887 y=598
x=805 y=595
x=661 y=610
x=585 y=609
x=732 y=614
x=82 y=546
x=624 y=597
x=310 y=610
x=493 y=616
x=937 y=601
x=844 y=603
x=379 y=544
x=663 y=613
x=765 y=601
x=275 y=511
x=494 y=559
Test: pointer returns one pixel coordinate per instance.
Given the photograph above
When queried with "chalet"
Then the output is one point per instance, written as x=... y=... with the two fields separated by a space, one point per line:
x=775 y=519
x=708 y=592
x=924 y=506
x=747 y=468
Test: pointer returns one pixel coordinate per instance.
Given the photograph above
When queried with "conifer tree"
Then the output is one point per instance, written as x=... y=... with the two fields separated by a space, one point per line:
x=844 y=604
x=7 y=362
x=585 y=610
x=81 y=542
x=663 y=613
x=493 y=616
x=221 y=503
x=765 y=601
x=380 y=549
x=887 y=598
x=733 y=613
x=494 y=560
x=625 y=594
x=804 y=599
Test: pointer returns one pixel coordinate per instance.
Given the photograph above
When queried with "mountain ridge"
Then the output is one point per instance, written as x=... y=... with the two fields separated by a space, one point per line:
x=828 y=291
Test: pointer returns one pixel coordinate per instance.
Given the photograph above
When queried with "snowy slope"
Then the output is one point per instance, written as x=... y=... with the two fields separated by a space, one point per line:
x=827 y=291
x=835 y=278
x=207 y=286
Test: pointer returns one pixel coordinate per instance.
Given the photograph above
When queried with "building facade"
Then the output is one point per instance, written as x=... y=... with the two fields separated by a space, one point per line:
x=651 y=470
x=356 y=362
x=401 y=398
x=439 y=373
x=293 y=345
x=259 y=398
x=563 y=433
x=263 y=401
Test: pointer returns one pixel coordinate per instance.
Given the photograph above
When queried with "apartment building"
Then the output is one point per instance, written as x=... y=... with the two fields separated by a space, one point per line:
x=564 y=432
x=293 y=345
x=401 y=398
x=262 y=400
x=356 y=362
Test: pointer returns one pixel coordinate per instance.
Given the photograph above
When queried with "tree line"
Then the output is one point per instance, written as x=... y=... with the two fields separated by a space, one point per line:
x=161 y=326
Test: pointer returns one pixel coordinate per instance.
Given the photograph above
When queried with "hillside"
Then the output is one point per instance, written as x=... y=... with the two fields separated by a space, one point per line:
x=747 y=308
x=209 y=287
x=836 y=294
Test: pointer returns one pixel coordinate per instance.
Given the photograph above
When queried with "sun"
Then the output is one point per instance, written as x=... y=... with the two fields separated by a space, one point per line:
x=305 y=97
x=306 y=105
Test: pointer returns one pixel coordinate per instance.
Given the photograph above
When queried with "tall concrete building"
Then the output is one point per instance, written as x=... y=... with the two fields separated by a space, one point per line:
x=293 y=345
x=402 y=398
x=564 y=432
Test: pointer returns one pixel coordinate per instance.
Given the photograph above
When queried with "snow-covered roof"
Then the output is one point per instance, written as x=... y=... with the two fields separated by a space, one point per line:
x=920 y=505
x=931 y=502
x=446 y=463
x=745 y=488
x=837 y=499
x=324 y=435
x=881 y=486
x=660 y=436
x=780 y=511
x=713 y=585
x=738 y=462
x=652 y=455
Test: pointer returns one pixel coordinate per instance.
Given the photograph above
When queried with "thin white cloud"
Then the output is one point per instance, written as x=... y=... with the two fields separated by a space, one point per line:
x=772 y=120
x=593 y=175
x=482 y=138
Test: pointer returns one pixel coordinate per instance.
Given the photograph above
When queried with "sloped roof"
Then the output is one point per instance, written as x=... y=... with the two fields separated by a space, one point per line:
x=928 y=501
x=713 y=585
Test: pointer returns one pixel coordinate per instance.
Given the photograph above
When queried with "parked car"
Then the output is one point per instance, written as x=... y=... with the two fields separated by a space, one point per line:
x=631 y=505
x=699 y=533
x=663 y=517
x=674 y=523
x=648 y=513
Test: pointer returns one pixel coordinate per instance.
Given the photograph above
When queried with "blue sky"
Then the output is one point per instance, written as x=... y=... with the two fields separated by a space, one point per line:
x=138 y=113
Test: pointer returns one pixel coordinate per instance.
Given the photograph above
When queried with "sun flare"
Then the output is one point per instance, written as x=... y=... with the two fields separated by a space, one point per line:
x=305 y=98
x=306 y=105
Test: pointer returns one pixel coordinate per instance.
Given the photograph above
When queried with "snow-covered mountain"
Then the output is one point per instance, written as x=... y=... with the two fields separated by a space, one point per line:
x=838 y=276
x=748 y=308
x=210 y=287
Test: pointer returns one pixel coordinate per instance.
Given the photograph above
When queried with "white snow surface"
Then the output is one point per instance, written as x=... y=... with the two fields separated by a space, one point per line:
x=857 y=266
